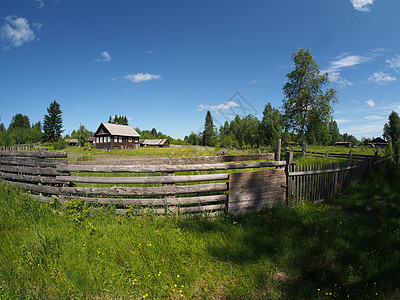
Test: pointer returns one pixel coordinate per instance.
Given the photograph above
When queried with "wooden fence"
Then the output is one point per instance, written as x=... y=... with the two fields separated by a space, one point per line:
x=233 y=184
x=350 y=156
x=21 y=147
x=318 y=182
x=166 y=185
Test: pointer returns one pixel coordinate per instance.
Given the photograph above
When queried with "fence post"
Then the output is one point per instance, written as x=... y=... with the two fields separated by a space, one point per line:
x=289 y=180
x=327 y=154
x=278 y=150
x=350 y=152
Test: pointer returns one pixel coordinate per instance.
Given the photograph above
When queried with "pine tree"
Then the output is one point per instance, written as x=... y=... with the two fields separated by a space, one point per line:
x=52 y=124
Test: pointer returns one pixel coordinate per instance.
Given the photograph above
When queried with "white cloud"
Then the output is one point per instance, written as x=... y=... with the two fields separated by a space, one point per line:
x=342 y=121
x=362 y=5
x=41 y=3
x=16 y=31
x=105 y=57
x=257 y=82
x=370 y=103
x=381 y=78
x=374 y=117
x=141 y=77
x=345 y=60
x=335 y=77
x=149 y=51
x=218 y=108
x=394 y=62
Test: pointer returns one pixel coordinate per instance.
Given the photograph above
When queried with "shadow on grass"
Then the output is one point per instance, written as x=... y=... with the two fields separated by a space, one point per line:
x=346 y=247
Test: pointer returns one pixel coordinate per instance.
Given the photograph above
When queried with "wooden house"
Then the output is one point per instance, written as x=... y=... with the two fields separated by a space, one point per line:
x=154 y=143
x=343 y=144
x=378 y=142
x=112 y=136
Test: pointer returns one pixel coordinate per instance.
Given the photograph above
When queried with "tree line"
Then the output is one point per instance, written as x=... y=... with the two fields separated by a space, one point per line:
x=250 y=132
x=21 y=131
x=305 y=115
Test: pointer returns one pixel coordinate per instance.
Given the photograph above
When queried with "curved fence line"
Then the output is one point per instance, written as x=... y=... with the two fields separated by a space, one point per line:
x=233 y=184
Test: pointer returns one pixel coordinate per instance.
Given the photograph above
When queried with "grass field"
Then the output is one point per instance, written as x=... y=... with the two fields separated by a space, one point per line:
x=345 y=248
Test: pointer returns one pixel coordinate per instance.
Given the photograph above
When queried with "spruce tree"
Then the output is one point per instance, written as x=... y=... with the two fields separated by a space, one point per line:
x=52 y=124
x=209 y=136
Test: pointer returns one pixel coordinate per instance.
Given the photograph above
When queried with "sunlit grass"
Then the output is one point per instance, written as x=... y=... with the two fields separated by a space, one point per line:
x=346 y=247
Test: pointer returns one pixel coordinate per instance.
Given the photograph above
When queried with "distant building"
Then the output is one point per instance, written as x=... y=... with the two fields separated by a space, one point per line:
x=378 y=142
x=112 y=136
x=72 y=142
x=343 y=144
x=154 y=143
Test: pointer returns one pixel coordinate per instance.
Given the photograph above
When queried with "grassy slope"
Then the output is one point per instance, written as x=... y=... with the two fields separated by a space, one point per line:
x=347 y=247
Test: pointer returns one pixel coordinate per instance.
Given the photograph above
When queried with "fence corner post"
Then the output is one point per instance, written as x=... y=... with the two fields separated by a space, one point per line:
x=327 y=154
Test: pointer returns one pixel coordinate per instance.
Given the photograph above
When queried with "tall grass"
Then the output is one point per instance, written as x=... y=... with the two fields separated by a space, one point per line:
x=347 y=247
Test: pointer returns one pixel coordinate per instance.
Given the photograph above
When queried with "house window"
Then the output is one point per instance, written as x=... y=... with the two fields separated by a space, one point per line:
x=101 y=139
x=120 y=139
x=109 y=139
x=97 y=140
x=115 y=139
x=130 y=140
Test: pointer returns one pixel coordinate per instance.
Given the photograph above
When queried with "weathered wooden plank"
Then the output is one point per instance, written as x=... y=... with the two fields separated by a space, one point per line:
x=151 y=160
x=31 y=170
x=255 y=190
x=147 y=191
x=168 y=168
x=123 y=191
x=154 y=201
x=37 y=153
x=161 y=211
x=35 y=162
x=31 y=178
x=312 y=172
x=144 y=180
x=45 y=189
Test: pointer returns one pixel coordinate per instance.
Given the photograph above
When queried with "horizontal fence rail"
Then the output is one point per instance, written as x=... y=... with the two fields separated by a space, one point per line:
x=21 y=147
x=352 y=155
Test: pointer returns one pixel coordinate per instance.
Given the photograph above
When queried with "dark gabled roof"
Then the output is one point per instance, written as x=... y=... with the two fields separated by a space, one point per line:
x=116 y=129
x=378 y=140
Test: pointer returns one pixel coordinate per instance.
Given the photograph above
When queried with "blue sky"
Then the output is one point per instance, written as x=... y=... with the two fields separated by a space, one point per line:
x=164 y=63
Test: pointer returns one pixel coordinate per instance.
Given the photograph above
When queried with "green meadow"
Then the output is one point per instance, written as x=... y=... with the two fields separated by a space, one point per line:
x=347 y=247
